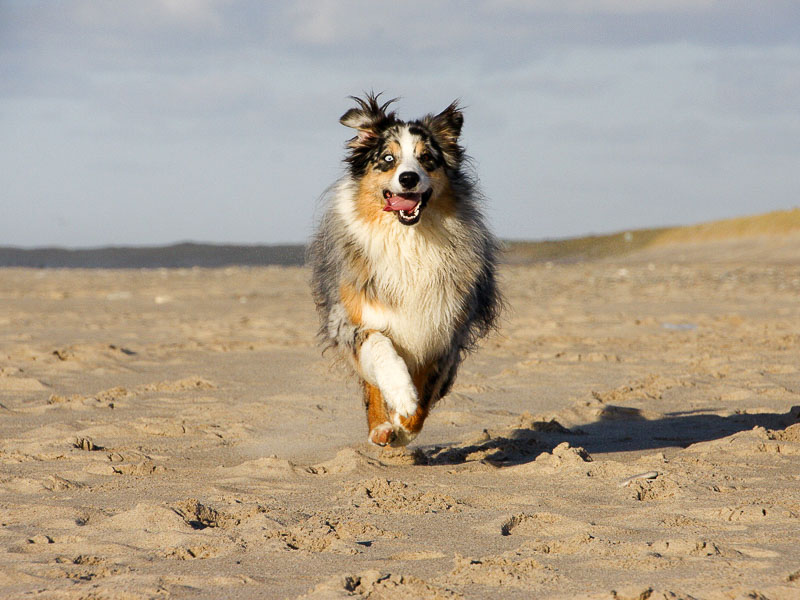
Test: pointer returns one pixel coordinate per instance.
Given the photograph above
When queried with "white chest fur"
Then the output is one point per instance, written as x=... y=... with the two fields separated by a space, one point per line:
x=418 y=310
x=420 y=276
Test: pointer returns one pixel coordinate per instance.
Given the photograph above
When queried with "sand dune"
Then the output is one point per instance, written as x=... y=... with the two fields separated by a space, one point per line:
x=632 y=432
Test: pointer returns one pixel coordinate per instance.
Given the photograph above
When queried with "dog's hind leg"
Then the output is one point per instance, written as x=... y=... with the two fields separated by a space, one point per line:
x=408 y=427
x=432 y=382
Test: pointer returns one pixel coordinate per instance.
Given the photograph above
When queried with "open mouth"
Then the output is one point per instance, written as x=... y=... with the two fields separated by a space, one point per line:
x=408 y=206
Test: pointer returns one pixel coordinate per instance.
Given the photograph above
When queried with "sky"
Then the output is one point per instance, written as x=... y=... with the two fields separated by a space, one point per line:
x=141 y=122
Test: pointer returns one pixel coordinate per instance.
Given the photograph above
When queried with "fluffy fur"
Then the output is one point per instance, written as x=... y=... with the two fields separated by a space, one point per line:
x=403 y=264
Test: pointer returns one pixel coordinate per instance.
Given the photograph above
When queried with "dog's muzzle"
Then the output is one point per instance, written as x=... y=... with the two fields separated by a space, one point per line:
x=407 y=205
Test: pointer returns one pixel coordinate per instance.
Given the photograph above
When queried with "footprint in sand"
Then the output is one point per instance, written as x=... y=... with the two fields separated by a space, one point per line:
x=329 y=534
x=348 y=460
x=386 y=496
x=379 y=586
x=541 y=525
x=501 y=571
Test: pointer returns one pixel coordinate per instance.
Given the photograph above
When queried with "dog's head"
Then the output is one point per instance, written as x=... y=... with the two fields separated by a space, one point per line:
x=402 y=167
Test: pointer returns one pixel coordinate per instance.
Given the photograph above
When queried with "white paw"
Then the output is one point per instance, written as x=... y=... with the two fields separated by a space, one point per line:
x=382 y=367
x=401 y=399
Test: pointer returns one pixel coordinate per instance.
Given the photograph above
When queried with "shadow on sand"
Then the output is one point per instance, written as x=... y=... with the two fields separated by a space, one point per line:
x=617 y=429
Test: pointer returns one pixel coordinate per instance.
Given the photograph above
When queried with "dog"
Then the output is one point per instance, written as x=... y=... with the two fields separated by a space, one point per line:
x=403 y=264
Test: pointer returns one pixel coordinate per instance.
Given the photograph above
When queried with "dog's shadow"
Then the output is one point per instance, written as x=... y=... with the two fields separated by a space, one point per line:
x=617 y=429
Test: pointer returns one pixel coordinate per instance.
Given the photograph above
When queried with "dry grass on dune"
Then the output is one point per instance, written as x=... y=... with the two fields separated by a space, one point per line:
x=778 y=223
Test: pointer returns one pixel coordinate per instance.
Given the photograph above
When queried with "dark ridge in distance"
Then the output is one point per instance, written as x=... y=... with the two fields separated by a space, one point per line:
x=579 y=249
x=189 y=254
x=184 y=255
x=565 y=250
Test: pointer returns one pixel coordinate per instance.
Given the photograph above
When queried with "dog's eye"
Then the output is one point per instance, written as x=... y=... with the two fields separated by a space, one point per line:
x=427 y=160
x=388 y=158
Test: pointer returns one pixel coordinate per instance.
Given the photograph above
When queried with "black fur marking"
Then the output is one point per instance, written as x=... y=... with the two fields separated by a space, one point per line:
x=416 y=128
x=431 y=147
x=429 y=161
x=372 y=122
x=445 y=129
x=367 y=154
x=440 y=380
x=380 y=163
x=376 y=127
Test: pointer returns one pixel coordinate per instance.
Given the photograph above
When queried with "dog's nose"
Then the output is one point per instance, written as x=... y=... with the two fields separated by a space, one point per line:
x=409 y=179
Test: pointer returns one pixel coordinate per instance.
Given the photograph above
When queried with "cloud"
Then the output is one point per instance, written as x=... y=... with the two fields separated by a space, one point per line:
x=317 y=22
x=172 y=117
x=754 y=83
x=148 y=15
x=613 y=7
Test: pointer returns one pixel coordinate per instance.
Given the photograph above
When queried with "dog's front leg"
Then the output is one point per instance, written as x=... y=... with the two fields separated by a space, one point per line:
x=381 y=366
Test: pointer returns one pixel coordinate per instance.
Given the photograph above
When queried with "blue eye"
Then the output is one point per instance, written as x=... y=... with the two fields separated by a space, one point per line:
x=388 y=158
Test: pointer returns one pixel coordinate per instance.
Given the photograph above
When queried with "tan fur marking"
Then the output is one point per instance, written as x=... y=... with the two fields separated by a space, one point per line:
x=376 y=409
x=353 y=302
x=443 y=200
x=414 y=423
x=420 y=378
x=370 y=203
x=359 y=268
x=377 y=413
x=369 y=200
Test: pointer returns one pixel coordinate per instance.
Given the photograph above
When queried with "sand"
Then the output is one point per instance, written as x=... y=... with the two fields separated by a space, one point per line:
x=632 y=431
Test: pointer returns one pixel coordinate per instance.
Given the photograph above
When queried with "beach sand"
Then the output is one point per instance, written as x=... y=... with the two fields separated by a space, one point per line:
x=632 y=431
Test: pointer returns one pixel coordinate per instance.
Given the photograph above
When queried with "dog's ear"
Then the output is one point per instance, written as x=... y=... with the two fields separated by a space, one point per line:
x=447 y=124
x=446 y=128
x=368 y=118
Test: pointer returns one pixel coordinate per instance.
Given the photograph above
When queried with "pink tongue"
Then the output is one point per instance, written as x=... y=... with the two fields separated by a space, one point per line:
x=400 y=203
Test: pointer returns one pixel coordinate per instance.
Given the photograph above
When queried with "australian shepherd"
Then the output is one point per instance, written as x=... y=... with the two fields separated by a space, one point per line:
x=403 y=264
